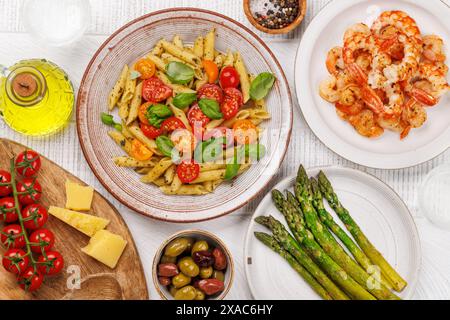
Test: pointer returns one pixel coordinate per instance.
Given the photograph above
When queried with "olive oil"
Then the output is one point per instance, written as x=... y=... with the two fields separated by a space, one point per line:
x=36 y=97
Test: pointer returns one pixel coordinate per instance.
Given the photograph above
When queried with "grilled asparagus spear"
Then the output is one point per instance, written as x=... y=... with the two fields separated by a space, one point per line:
x=329 y=243
x=369 y=249
x=270 y=241
x=327 y=219
x=305 y=237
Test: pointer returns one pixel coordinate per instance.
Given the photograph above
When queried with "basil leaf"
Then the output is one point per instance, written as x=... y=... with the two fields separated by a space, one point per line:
x=210 y=108
x=134 y=74
x=209 y=150
x=109 y=121
x=165 y=145
x=179 y=73
x=255 y=151
x=157 y=113
x=261 y=85
x=183 y=100
x=232 y=169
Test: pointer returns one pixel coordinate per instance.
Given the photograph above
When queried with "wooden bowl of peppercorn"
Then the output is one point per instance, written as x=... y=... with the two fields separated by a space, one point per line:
x=275 y=16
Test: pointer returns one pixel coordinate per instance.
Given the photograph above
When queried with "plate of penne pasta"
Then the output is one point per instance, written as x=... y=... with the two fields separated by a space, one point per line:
x=184 y=115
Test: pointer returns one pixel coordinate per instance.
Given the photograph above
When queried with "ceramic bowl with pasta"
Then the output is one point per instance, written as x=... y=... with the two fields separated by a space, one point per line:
x=187 y=120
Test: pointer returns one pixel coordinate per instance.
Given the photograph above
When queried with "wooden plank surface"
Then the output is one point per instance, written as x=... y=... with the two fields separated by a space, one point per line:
x=126 y=281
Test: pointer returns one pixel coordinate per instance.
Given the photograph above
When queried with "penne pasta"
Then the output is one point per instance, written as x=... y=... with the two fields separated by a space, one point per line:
x=210 y=166
x=120 y=140
x=243 y=76
x=118 y=88
x=158 y=61
x=130 y=86
x=229 y=59
x=259 y=114
x=210 y=175
x=198 y=47
x=135 y=104
x=158 y=49
x=214 y=124
x=167 y=57
x=133 y=163
x=196 y=189
x=126 y=133
x=157 y=171
x=176 y=184
x=176 y=40
x=219 y=60
x=149 y=143
x=142 y=170
x=123 y=110
x=160 y=182
x=209 y=45
x=242 y=114
x=180 y=115
x=180 y=53
x=169 y=174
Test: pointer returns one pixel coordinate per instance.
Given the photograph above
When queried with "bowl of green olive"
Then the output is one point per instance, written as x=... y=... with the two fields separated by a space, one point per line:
x=193 y=265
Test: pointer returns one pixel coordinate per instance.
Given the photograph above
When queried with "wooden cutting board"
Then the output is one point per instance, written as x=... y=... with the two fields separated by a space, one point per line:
x=126 y=281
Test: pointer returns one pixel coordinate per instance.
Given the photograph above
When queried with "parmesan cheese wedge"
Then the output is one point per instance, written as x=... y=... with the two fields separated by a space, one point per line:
x=86 y=223
x=106 y=247
x=78 y=197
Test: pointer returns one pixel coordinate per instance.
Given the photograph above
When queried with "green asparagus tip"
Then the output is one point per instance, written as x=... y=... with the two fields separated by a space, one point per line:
x=324 y=183
x=265 y=238
x=262 y=220
x=302 y=176
x=315 y=187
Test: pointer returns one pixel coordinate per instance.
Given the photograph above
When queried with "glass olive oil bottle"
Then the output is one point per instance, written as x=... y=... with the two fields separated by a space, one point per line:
x=36 y=97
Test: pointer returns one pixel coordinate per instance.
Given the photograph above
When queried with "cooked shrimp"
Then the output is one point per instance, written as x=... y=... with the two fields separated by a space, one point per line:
x=390 y=118
x=328 y=89
x=350 y=101
x=364 y=122
x=343 y=79
x=390 y=21
x=334 y=61
x=438 y=85
x=414 y=113
x=357 y=28
x=433 y=48
x=355 y=44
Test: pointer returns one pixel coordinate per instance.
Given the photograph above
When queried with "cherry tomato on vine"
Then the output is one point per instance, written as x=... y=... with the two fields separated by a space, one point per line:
x=229 y=78
x=5 y=177
x=188 y=171
x=150 y=131
x=30 y=280
x=153 y=89
x=15 y=261
x=171 y=124
x=34 y=216
x=31 y=190
x=210 y=91
x=12 y=237
x=51 y=264
x=42 y=238
x=28 y=163
x=7 y=211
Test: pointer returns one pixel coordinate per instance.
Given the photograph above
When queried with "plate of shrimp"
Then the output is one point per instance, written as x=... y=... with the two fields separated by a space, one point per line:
x=371 y=79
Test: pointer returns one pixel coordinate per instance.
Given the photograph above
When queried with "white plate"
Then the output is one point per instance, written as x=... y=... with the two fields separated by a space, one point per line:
x=376 y=208
x=388 y=151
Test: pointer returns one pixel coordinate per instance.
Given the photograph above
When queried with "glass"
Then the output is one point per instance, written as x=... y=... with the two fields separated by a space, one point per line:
x=56 y=22
x=434 y=196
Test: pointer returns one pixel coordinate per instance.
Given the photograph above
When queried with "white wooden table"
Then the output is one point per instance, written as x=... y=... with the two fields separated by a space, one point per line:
x=64 y=149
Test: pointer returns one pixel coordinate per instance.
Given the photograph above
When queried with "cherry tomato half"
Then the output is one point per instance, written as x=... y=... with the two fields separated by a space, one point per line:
x=7 y=211
x=145 y=67
x=210 y=91
x=140 y=151
x=229 y=107
x=195 y=114
x=28 y=163
x=150 y=131
x=153 y=89
x=245 y=132
x=188 y=171
x=35 y=216
x=31 y=190
x=12 y=237
x=15 y=261
x=5 y=177
x=211 y=69
x=42 y=238
x=30 y=280
x=142 y=112
x=171 y=124
x=51 y=264
x=236 y=94
x=229 y=78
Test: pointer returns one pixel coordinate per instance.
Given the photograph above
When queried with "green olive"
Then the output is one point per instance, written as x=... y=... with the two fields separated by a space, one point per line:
x=188 y=267
x=167 y=259
x=172 y=291
x=206 y=272
x=219 y=275
x=176 y=247
x=180 y=280
x=191 y=242
x=199 y=295
x=200 y=245
x=186 y=293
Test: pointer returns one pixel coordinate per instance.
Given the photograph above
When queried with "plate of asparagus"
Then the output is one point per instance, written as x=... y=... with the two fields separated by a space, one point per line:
x=332 y=233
